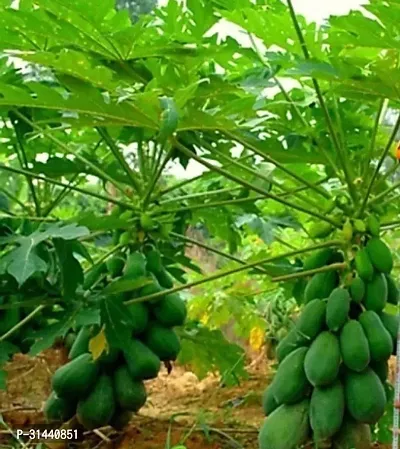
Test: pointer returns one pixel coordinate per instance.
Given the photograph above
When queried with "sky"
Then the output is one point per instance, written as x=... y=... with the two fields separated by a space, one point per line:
x=313 y=10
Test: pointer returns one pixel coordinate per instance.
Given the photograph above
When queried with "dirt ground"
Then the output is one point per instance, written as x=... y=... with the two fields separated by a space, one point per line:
x=181 y=409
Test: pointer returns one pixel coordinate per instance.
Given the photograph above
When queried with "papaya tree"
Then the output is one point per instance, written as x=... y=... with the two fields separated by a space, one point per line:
x=292 y=134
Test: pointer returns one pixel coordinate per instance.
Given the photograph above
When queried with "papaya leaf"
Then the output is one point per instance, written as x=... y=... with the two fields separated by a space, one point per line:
x=98 y=344
x=117 y=325
x=70 y=269
x=122 y=285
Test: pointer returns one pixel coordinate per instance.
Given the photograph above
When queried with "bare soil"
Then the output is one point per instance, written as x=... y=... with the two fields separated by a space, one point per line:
x=202 y=414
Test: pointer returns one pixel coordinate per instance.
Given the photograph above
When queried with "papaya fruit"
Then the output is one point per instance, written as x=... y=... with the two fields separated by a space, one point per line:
x=320 y=230
x=354 y=346
x=146 y=222
x=129 y=394
x=126 y=215
x=380 y=255
x=322 y=360
x=135 y=266
x=142 y=363
x=164 y=279
x=81 y=343
x=75 y=378
x=97 y=408
x=125 y=238
x=312 y=319
x=393 y=291
x=391 y=324
x=379 y=340
x=115 y=266
x=269 y=403
x=69 y=340
x=163 y=341
x=151 y=289
x=376 y=293
x=94 y=275
x=120 y=419
x=357 y=289
x=290 y=384
x=353 y=435
x=373 y=225
x=153 y=261
x=320 y=286
x=318 y=259
x=170 y=311
x=327 y=408
x=58 y=409
x=337 y=309
x=381 y=368
x=287 y=427
x=289 y=343
x=363 y=264
x=365 y=396
x=139 y=314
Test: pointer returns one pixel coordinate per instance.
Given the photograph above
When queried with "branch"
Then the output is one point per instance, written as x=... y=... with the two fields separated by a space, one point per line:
x=108 y=199
x=302 y=274
x=213 y=277
x=120 y=158
x=257 y=189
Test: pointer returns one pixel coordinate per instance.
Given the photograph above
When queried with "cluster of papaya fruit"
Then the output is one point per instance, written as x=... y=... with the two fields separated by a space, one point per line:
x=331 y=382
x=108 y=390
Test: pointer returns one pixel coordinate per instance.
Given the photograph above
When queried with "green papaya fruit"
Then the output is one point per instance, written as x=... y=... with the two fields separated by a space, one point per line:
x=170 y=311
x=373 y=225
x=58 y=409
x=365 y=396
x=269 y=403
x=379 y=340
x=327 y=408
x=320 y=286
x=318 y=259
x=97 y=408
x=287 y=427
x=357 y=289
x=380 y=255
x=135 y=266
x=322 y=360
x=163 y=341
x=337 y=309
x=290 y=383
x=312 y=319
x=354 y=346
x=289 y=343
x=364 y=265
x=376 y=293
